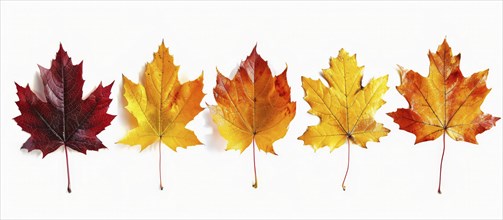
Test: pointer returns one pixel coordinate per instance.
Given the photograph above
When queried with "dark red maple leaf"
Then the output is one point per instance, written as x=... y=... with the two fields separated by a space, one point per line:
x=63 y=119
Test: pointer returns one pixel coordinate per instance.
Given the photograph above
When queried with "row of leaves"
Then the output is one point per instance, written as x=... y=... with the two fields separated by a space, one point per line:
x=254 y=108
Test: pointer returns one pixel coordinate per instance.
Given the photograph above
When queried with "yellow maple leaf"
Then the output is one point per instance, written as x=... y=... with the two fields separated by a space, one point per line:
x=345 y=108
x=252 y=107
x=445 y=102
x=163 y=107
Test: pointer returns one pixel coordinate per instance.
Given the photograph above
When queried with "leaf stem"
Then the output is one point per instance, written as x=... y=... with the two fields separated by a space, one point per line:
x=68 y=188
x=347 y=169
x=160 y=173
x=441 y=162
x=255 y=184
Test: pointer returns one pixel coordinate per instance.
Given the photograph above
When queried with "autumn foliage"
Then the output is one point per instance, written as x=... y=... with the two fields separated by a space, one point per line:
x=163 y=107
x=346 y=109
x=63 y=118
x=444 y=102
x=252 y=107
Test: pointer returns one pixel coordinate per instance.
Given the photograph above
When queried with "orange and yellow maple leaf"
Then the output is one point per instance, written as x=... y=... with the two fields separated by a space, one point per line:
x=252 y=107
x=445 y=102
x=345 y=108
x=163 y=107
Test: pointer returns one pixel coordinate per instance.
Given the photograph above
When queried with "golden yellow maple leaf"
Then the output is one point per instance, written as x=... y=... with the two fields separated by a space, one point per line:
x=252 y=107
x=163 y=107
x=345 y=108
x=444 y=102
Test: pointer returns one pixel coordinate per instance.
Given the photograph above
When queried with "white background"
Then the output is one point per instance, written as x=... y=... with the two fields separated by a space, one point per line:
x=390 y=179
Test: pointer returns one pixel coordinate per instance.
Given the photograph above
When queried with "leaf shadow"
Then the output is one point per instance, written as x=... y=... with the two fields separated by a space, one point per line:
x=38 y=87
x=215 y=142
x=235 y=70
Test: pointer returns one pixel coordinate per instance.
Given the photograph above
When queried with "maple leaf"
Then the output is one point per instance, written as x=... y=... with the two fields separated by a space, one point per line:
x=252 y=107
x=63 y=119
x=444 y=102
x=345 y=108
x=163 y=107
